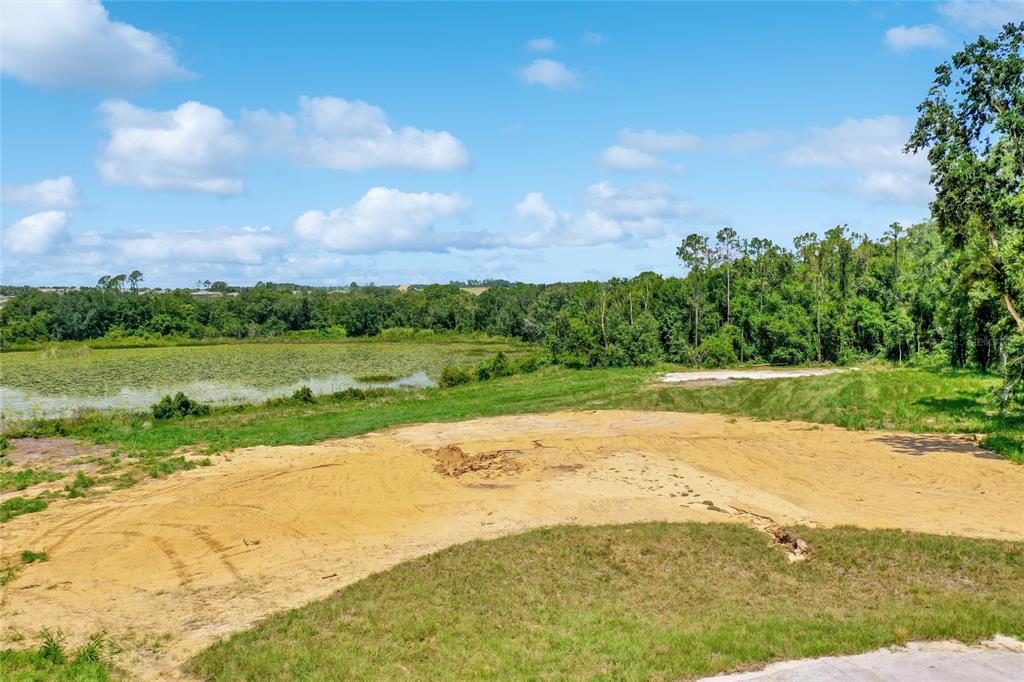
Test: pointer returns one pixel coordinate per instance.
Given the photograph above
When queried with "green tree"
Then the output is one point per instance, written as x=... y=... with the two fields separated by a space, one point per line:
x=972 y=124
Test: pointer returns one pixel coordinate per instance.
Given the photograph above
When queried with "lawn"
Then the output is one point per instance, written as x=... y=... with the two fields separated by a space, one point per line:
x=901 y=399
x=639 y=602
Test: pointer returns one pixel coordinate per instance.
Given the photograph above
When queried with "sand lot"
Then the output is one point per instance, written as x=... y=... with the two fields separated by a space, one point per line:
x=184 y=560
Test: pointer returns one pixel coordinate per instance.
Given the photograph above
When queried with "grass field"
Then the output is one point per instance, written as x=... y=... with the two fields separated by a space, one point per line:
x=63 y=381
x=640 y=602
x=900 y=399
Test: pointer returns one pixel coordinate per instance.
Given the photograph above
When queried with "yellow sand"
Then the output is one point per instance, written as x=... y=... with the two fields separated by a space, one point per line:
x=205 y=553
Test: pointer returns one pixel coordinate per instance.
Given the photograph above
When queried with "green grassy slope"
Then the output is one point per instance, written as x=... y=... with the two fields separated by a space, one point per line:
x=637 y=602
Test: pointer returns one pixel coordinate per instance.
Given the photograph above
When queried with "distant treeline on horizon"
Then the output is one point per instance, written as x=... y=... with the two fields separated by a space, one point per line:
x=838 y=298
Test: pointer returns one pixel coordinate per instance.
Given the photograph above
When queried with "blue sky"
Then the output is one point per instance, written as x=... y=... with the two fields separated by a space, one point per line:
x=329 y=142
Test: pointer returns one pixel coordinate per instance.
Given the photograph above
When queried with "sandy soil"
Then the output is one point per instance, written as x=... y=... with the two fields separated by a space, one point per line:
x=170 y=565
x=718 y=377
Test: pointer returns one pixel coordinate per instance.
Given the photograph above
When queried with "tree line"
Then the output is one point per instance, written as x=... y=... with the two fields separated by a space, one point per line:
x=949 y=290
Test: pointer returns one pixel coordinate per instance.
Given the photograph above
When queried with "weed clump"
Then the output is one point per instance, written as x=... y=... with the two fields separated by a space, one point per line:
x=30 y=557
x=178 y=406
x=303 y=394
x=78 y=486
x=16 y=506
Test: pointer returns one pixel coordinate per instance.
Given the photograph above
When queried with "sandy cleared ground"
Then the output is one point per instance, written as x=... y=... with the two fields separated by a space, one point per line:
x=181 y=561
x=723 y=376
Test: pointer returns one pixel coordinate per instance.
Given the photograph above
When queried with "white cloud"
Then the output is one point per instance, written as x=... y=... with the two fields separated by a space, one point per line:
x=658 y=143
x=910 y=37
x=330 y=132
x=35 y=234
x=75 y=44
x=541 y=44
x=874 y=148
x=980 y=15
x=58 y=193
x=244 y=246
x=386 y=219
x=614 y=215
x=189 y=149
x=592 y=38
x=630 y=160
x=638 y=150
x=549 y=73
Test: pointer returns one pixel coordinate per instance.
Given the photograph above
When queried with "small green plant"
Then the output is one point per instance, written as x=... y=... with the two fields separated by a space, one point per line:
x=303 y=394
x=5 y=445
x=453 y=376
x=16 y=506
x=52 y=646
x=8 y=572
x=78 y=486
x=30 y=557
x=178 y=406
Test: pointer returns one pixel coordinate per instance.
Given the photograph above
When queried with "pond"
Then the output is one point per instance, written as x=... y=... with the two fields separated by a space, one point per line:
x=55 y=383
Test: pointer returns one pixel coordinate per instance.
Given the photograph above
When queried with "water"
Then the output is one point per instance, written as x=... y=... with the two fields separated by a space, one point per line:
x=17 y=405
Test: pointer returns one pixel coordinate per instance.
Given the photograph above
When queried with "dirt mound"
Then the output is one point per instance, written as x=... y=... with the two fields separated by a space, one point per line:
x=452 y=461
x=198 y=555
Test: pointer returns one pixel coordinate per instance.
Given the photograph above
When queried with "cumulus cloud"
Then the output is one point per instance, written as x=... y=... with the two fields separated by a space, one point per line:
x=193 y=148
x=241 y=246
x=330 y=132
x=658 y=143
x=910 y=37
x=873 y=147
x=549 y=73
x=980 y=15
x=35 y=234
x=386 y=219
x=613 y=215
x=541 y=44
x=58 y=193
x=630 y=160
x=638 y=150
x=76 y=44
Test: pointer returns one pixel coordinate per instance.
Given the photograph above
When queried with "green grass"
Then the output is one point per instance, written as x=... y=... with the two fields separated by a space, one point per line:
x=903 y=399
x=20 y=479
x=916 y=400
x=16 y=506
x=638 y=602
x=50 y=661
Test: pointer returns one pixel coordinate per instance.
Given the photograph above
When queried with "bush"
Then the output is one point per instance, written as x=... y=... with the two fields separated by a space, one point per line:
x=715 y=351
x=303 y=394
x=178 y=406
x=453 y=376
x=498 y=366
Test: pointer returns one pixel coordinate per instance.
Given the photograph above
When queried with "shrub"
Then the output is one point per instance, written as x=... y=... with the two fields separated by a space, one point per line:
x=715 y=351
x=498 y=366
x=453 y=376
x=30 y=557
x=303 y=394
x=178 y=406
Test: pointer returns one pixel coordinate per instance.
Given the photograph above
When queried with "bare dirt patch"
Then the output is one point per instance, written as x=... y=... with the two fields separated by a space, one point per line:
x=721 y=377
x=55 y=452
x=205 y=553
x=452 y=461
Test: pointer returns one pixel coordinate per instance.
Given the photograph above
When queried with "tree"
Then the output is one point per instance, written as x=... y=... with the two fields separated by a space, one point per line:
x=133 y=281
x=728 y=246
x=972 y=124
x=698 y=255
